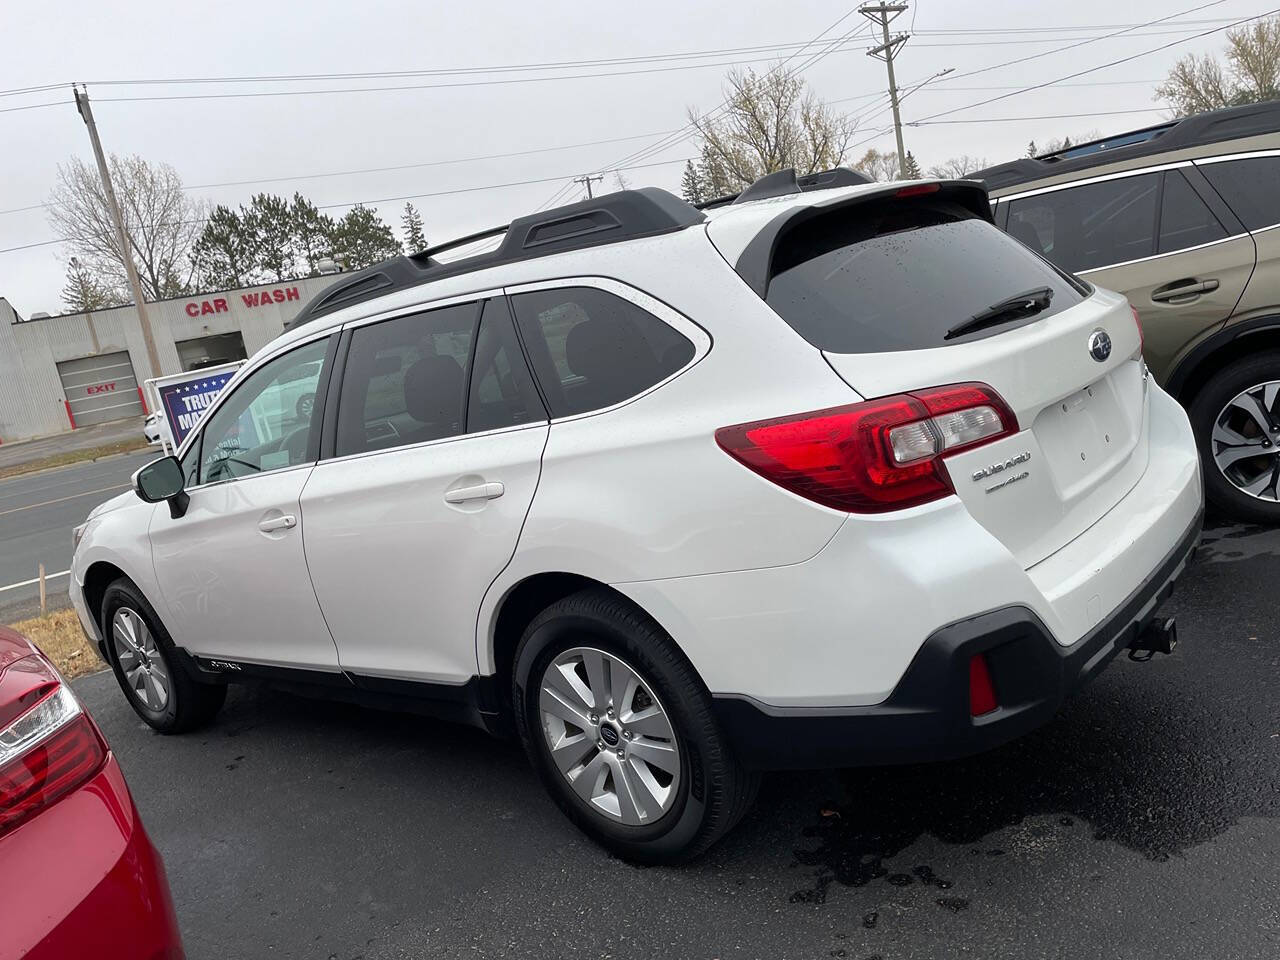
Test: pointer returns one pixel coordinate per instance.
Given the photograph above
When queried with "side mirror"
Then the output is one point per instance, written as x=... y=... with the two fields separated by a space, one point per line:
x=162 y=480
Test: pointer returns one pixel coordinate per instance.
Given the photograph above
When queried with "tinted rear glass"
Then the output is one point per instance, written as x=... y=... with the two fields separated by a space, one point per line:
x=898 y=276
x=1250 y=186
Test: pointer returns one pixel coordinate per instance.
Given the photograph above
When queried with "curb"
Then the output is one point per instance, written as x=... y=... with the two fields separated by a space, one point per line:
x=73 y=463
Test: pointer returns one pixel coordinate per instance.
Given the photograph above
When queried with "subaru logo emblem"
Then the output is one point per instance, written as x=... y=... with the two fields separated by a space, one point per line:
x=1099 y=345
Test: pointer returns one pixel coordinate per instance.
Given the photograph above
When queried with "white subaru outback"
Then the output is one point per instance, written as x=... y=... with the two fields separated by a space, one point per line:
x=835 y=473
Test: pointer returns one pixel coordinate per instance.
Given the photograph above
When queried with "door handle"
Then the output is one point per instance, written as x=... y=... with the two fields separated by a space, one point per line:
x=481 y=491
x=287 y=522
x=1183 y=288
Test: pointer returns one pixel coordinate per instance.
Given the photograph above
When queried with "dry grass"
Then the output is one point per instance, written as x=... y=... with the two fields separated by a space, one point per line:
x=62 y=639
x=74 y=456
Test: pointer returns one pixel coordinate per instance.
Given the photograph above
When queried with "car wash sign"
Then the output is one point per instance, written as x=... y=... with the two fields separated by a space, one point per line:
x=183 y=398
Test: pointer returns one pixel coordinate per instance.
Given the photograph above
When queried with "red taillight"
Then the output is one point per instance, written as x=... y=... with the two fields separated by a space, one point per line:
x=918 y=189
x=982 y=695
x=48 y=746
x=1137 y=321
x=873 y=456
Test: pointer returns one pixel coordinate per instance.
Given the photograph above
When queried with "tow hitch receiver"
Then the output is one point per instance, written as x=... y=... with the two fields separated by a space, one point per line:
x=1159 y=636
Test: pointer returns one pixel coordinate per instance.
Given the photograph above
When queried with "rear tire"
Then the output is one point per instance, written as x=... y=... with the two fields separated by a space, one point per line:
x=1223 y=405
x=142 y=657
x=680 y=789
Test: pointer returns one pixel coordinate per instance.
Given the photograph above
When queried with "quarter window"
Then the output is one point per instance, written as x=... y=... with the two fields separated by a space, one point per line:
x=590 y=349
x=1250 y=186
x=1090 y=226
x=502 y=392
x=270 y=420
x=1185 y=221
x=405 y=380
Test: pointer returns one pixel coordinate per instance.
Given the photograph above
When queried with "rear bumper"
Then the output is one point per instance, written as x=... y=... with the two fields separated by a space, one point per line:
x=92 y=883
x=927 y=715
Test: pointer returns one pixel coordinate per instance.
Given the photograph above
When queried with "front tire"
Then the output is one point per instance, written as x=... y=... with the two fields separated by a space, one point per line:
x=620 y=730
x=142 y=657
x=1236 y=419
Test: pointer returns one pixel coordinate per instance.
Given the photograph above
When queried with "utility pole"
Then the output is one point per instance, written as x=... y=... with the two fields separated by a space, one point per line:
x=883 y=14
x=122 y=235
x=586 y=179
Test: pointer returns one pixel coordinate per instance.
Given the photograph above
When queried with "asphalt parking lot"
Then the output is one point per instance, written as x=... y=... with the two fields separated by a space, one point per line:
x=1143 y=822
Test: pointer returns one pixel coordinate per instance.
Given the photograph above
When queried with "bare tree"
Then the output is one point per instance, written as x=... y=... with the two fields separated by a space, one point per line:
x=163 y=224
x=957 y=168
x=1251 y=73
x=769 y=122
x=877 y=165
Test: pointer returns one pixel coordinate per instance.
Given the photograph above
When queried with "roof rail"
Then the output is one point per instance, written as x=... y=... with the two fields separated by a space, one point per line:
x=625 y=215
x=1216 y=126
x=787 y=181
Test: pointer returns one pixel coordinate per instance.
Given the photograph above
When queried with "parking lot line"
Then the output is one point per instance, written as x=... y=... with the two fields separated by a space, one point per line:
x=34 y=580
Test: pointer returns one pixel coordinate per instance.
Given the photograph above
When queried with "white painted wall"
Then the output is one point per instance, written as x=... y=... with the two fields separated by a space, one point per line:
x=31 y=399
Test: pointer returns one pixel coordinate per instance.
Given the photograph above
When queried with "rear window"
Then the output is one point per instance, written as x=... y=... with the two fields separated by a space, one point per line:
x=897 y=276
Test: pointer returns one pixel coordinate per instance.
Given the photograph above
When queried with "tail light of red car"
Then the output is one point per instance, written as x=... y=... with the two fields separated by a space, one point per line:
x=873 y=456
x=48 y=744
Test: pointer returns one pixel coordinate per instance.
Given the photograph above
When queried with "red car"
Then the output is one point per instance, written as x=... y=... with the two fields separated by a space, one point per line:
x=81 y=878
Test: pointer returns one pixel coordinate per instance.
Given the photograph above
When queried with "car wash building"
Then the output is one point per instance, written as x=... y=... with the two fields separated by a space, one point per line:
x=61 y=373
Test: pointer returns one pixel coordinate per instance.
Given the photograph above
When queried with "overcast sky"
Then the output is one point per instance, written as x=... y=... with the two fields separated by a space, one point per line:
x=281 y=140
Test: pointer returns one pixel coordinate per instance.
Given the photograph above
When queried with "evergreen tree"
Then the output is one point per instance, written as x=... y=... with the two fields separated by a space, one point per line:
x=225 y=256
x=691 y=184
x=415 y=239
x=361 y=239
x=312 y=232
x=275 y=247
x=911 y=168
x=84 y=291
x=1031 y=149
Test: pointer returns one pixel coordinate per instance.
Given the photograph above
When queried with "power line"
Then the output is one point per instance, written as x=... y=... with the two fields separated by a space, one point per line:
x=404 y=166
x=1104 y=66
x=1043 y=116
x=679 y=136
x=1059 y=29
x=1081 y=43
x=1097 y=83
x=560 y=64
x=413 y=196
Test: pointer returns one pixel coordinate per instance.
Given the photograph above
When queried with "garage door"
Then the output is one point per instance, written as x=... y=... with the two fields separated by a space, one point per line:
x=100 y=388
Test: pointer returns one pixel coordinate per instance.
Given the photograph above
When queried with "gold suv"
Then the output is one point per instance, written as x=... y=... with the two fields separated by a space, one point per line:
x=1183 y=218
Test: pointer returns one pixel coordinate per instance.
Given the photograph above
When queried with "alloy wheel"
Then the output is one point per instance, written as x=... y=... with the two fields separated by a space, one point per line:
x=609 y=736
x=140 y=659
x=1244 y=441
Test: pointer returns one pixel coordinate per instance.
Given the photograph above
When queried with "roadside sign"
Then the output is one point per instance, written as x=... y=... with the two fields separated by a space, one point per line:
x=182 y=398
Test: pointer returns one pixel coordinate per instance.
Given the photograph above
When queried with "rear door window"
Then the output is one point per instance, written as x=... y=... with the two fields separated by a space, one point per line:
x=406 y=380
x=591 y=349
x=1251 y=187
x=1090 y=226
x=897 y=276
x=1185 y=221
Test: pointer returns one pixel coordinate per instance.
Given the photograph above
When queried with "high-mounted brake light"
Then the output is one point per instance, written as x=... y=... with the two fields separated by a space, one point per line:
x=874 y=456
x=48 y=746
x=917 y=189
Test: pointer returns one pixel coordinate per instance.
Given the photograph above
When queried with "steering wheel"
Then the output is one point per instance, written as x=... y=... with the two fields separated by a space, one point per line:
x=296 y=445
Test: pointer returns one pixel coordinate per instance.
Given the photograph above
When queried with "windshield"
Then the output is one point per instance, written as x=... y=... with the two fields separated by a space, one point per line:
x=898 y=276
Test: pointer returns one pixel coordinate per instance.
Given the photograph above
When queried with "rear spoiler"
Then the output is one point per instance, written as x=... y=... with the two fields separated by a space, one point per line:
x=755 y=261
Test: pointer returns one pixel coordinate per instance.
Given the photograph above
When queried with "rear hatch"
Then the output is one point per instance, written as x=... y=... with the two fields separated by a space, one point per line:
x=915 y=288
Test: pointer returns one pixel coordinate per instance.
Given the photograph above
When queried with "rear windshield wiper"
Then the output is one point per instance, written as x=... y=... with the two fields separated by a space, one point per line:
x=1025 y=304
